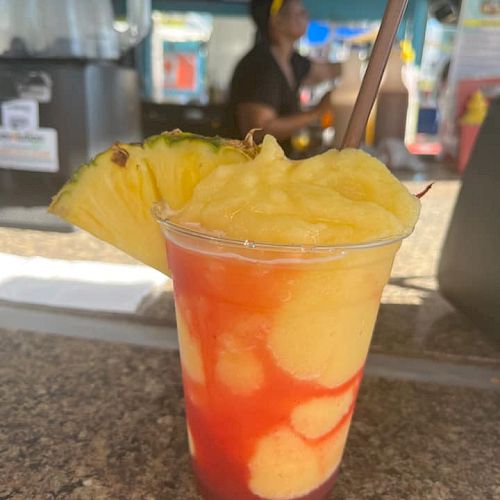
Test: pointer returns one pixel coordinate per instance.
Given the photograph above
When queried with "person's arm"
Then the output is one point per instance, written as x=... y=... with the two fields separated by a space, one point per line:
x=322 y=71
x=251 y=115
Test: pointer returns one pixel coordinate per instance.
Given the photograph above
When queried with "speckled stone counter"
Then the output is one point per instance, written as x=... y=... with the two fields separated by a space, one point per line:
x=84 y=419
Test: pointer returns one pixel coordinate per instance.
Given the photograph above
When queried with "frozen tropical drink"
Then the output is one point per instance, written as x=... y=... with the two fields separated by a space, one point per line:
x=278 y=269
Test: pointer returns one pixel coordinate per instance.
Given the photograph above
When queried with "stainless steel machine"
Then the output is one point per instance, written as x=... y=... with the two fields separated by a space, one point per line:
x=64 y=94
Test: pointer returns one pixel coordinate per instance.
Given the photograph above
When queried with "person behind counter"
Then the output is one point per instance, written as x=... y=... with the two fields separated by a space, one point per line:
x=265 y=86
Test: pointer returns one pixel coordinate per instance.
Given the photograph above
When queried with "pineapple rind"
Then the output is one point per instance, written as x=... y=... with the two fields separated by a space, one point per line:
x=112 y=201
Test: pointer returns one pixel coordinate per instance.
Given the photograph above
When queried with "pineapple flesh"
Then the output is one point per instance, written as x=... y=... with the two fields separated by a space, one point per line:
x=111 y=197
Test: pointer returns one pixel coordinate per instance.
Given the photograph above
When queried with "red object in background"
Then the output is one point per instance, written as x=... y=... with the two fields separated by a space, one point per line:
x=424 y=144
x=466 y=88
x=468 y=136
x=468 y=133
x=180 y=71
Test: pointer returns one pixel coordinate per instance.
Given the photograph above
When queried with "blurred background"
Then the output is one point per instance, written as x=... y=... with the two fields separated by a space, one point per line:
x=75 y=76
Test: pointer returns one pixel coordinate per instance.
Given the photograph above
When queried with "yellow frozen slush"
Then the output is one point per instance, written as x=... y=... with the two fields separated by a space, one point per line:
x=338 y=197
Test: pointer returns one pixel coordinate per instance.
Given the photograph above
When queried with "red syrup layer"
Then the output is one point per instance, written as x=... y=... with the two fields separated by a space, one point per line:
x=216 y=296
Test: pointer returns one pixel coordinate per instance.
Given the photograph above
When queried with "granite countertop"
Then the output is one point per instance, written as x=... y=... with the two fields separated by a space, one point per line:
x=85 y=419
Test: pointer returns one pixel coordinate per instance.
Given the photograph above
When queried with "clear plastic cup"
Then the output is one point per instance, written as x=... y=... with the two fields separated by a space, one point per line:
x=273 y=341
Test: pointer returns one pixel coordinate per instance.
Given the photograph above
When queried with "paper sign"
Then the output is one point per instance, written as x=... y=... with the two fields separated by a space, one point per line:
x=20 y=114
x=34 y=150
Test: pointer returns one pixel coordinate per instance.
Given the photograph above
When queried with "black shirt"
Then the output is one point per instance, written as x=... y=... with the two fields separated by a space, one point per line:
x=259 y=79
